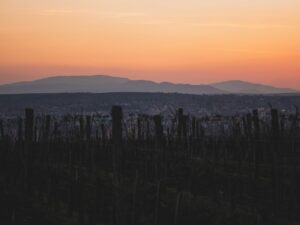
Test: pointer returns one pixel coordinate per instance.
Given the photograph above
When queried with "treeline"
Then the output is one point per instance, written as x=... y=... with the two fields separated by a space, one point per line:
x=92 y=170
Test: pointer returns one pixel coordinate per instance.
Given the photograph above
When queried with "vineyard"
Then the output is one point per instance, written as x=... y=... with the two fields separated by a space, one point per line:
x=150 y=170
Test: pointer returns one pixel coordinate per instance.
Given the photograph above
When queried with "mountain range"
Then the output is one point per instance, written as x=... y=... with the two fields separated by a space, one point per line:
x=106 y=84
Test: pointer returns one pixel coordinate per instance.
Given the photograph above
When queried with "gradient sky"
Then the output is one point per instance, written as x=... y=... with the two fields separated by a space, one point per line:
x=190 y=41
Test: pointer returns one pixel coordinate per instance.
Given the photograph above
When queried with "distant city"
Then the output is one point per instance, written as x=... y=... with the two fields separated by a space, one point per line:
x=145 y=103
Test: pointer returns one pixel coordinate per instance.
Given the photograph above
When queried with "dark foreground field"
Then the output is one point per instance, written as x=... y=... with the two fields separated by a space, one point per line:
x=141 y=169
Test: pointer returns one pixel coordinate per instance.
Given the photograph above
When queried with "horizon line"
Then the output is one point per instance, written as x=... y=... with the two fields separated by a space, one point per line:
x=158 y=82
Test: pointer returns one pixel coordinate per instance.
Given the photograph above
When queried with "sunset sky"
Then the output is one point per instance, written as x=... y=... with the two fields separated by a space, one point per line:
x=190 y=41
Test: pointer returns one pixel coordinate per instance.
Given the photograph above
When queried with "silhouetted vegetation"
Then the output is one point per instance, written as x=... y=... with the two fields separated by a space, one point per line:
x=141 y=169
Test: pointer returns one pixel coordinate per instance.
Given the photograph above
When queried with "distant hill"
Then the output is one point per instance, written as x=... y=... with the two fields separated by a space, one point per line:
x=102 y=84
x=107 y=84
x=242 y=87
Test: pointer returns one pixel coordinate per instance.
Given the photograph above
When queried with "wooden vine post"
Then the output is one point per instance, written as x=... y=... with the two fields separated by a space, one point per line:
x=117 y=115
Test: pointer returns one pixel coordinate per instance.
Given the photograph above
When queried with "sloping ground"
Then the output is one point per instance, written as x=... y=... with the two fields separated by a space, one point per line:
x=19 y=209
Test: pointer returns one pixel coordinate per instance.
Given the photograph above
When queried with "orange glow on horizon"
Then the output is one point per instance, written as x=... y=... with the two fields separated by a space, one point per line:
x=190 y=42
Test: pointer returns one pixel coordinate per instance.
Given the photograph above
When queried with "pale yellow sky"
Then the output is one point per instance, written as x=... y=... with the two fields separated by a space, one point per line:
x=181 y=41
